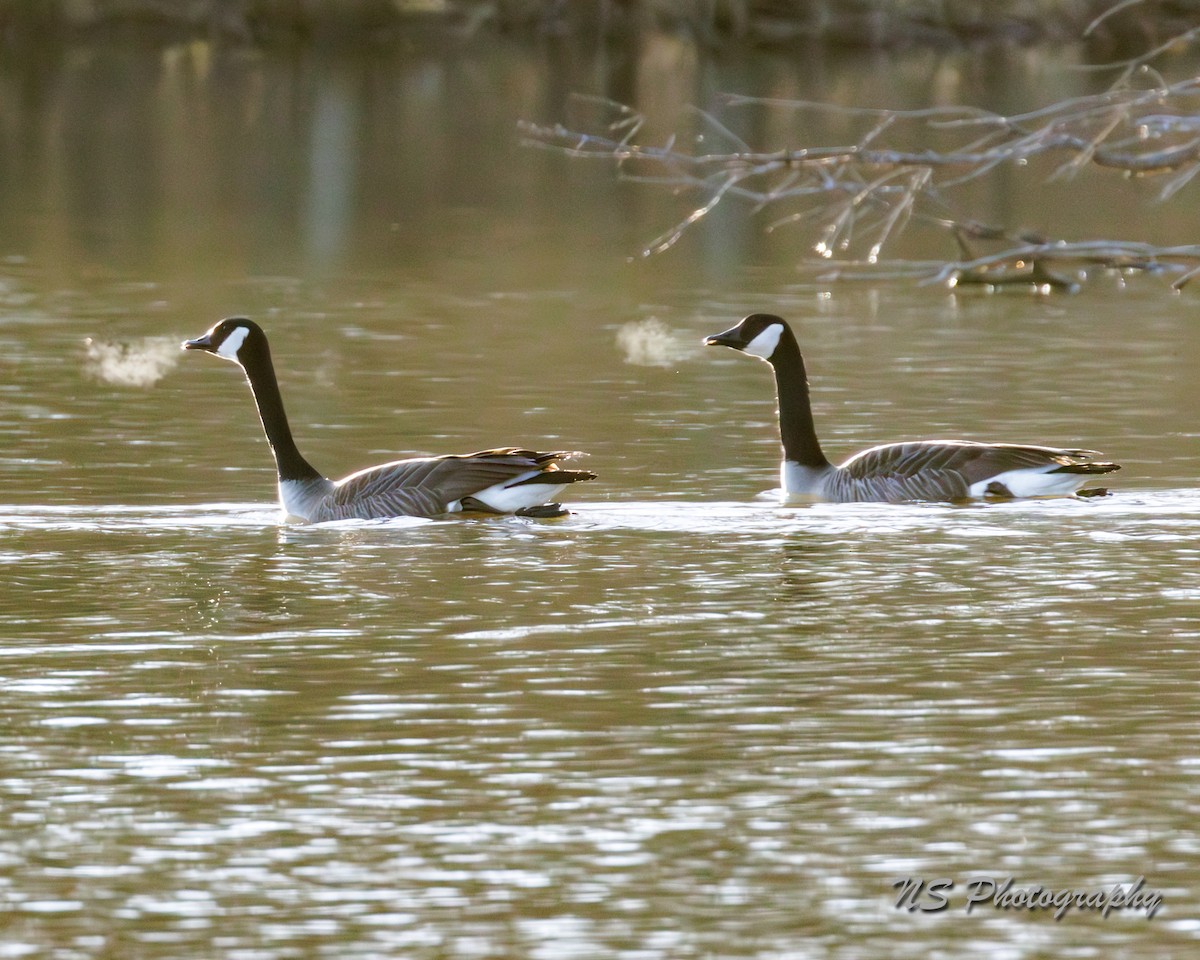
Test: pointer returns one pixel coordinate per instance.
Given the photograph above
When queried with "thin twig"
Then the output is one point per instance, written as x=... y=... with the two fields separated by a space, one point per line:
x=1116 y=8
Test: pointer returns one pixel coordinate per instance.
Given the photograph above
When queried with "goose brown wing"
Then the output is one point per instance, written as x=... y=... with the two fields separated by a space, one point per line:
x=426 y=486
x=941 y=469
x=990 y=459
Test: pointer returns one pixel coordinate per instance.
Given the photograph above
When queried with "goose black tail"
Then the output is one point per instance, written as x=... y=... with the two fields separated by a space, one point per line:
x=1101 y=467
x=556 y=477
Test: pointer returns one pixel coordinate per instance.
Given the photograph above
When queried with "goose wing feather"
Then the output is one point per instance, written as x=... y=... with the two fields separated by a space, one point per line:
x=426 y=486
x=940 y=469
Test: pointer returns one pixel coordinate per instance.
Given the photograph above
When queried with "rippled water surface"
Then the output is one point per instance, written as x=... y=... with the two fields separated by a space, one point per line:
x=687 y=720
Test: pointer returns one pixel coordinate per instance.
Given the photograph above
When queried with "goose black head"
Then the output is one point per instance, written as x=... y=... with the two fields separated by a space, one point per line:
x=758 y=335
x=229 y=339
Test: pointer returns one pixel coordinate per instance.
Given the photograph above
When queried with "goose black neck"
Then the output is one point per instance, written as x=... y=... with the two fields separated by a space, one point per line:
x=796 y=429
x=265 y=387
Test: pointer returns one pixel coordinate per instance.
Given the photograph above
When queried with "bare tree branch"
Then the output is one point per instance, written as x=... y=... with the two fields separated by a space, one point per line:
x=864 y=193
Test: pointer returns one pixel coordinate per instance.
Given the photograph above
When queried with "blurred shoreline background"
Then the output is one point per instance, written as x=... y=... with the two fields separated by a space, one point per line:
x=852 y=23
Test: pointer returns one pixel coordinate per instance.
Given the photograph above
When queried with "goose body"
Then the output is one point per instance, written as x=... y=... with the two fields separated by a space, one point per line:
x=505 y=480
x=897 y=472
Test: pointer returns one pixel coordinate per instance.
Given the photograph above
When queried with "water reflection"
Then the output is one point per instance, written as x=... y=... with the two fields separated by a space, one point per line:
x=260 y=159
x=331 y=189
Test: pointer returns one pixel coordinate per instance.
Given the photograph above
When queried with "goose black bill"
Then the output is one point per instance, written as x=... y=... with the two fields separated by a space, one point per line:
x=726 y=338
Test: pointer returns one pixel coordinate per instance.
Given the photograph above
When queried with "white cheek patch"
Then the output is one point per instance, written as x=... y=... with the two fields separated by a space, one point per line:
x=765 y=343
x=233 y=343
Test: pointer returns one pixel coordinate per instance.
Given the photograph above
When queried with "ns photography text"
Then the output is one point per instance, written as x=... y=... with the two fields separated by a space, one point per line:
x=932 y=896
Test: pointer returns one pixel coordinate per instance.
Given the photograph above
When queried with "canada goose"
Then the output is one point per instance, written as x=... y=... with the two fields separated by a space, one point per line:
x=897 y=472
x=506 y=480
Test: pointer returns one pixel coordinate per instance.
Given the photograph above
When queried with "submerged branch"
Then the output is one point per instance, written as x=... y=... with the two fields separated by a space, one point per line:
x=1031 y=264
